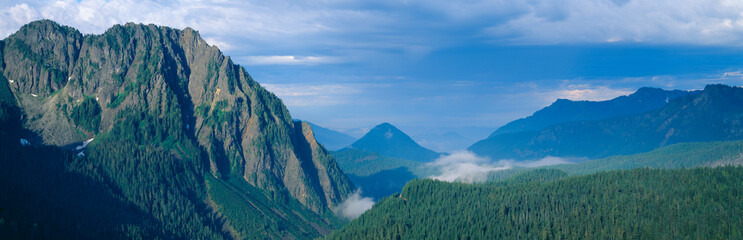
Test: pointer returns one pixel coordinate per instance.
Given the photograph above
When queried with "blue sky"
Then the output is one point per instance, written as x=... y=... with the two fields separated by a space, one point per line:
x=431 y=67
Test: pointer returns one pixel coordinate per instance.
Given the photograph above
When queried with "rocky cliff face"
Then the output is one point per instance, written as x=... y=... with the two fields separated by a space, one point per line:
x=72 y=87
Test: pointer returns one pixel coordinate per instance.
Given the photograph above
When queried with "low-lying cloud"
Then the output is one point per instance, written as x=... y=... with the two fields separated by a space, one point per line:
x=465 y=166
x=354 y=205
x=546 y=161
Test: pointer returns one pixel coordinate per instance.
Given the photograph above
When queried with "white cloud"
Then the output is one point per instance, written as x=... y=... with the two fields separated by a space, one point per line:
x=312 y=94
x=649 y=21
x=464 y=166
x=273 y=31
x=546 y=161
x=588 y=92
x=735 y=74
x=289 y=60
x=354 y=205
x=13 y=17
x=222 y=45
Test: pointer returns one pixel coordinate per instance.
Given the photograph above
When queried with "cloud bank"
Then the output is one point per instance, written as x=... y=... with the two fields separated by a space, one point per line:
x=464 y=166
x=285 y=27
x=546 y=161
x=354 y=205
x=467 y=167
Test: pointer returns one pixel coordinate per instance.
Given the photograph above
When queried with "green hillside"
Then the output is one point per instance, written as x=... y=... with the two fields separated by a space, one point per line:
x=377 y=175
x=680 y=155
x=698 y=203
x=365 y=163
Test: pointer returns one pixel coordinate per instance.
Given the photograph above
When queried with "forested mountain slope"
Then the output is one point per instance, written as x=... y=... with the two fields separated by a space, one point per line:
x=177 y=132
x=680 y=155
x=377 y=175
x=700 y=203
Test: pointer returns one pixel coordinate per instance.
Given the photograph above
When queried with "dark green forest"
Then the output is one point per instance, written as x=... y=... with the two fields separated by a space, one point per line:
x=701 y=203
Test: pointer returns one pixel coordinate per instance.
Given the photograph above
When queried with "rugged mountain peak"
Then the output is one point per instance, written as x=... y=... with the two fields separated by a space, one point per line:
x=173 y=77
x=390 y=141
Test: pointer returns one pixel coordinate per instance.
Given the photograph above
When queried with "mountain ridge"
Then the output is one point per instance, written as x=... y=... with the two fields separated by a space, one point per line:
x=564 y=110
x=711 y=115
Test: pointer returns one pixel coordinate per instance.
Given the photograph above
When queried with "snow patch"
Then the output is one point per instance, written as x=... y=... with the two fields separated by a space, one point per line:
x=81 y=154
x=34 y=95
x=11 y=81
x=388 y=134
x=85 y=144
x=25 y=142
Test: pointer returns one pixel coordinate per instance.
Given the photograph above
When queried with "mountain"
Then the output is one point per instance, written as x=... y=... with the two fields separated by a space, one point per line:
x=176 y=135
x=697 y=203
x=383 y=160
x=390 y=141
x=330 y=139
x=712 y=115
x=563 y=110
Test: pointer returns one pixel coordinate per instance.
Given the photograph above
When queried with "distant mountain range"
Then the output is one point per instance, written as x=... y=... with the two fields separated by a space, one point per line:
x=390 y=141
x=330 y=139
x=714 y=114
x=563 y=110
